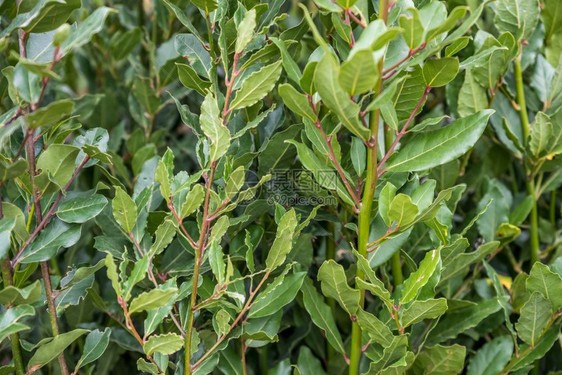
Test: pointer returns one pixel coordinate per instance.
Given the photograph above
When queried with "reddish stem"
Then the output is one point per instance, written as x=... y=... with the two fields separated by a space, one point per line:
x=380 y=171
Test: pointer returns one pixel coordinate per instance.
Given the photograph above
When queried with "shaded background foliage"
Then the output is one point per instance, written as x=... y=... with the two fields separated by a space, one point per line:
x=137 y=228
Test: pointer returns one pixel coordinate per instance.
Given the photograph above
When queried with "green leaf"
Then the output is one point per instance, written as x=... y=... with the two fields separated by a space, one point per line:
x=75 y=285
x=6 y=226
x=50 y=240
x=358 y=154
x=472 y=96
x=415 y=282
x=81 y=209
x=451 y=21
x=428 y=150
x=282 y=244
x=296 y=102
x=48 y=116
x=462 y=319
x=333 y=95
x=13 y=170
x=534 y=318
x=152 y=299
x=420 y=310
x=459 y=265
x=321 y=315
x=138 y=274
x=85 y=30
x=519 y=17
x=256 y=86
x=94 y=347
x=547 y=283
x=334 y=285
x=270 y=301
x=529 y=355
x=113 y=275
x=213 y=128
x=402 y=210
x=308 y=364
x=206 y=5
x=50 y=350
x=374 y=327
x=57 y=163
x=10 y=295
x=491 y=358
x=189 y=46
x=439 y=72
x=413 y=28
x=9 y=321
x=146 y=95
x=245 y=30
x=291 y=68
x=164 y=344
x=189 y=78
x=165 y=233
x=359 y=74
x=394 y=355
x=193 y=200
x=441 y=360
x=124 y=210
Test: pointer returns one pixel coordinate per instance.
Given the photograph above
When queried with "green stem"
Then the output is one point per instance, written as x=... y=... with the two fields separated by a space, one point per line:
x=365 y=209
x=530 y=183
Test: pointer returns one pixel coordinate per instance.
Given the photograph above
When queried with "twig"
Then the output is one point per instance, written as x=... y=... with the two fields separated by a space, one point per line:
x=404 y=130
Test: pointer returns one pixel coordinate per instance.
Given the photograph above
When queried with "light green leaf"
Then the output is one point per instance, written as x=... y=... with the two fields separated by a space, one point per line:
x=213 y=128
x=428 y=150
x=256 y=86
x=164 y=344
x=57 y=164
x=152 y=299
x=359 y=74
x=413 y=28
x=282 y=244
x=439 y=72
x=96 y=343
x=472 y=96
x=547 y=283
x=402 y=210
x=420 y=310
x=50 y=115
x=189 y=78
x=321 y=314
x=206 y=5
x=270 y=301
x=415 y=282
x=50 y=350
x=326 y=82
x=10 y=295
x=374 y=327
x=245 y=30
x=535 y=315
x=334 y=285
x=124 y=210
x=165 y=233
x=296 y=102
x=193 y=200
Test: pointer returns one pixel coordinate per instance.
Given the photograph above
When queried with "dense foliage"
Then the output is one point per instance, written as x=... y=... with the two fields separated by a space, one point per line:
x=275 y=187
